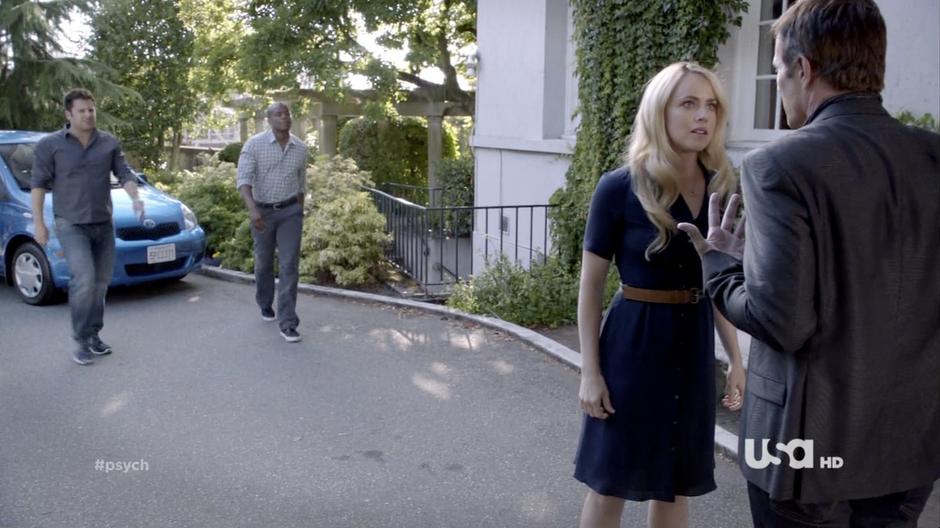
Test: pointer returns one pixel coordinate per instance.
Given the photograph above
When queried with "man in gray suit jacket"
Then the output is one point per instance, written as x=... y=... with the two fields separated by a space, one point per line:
x=839 y=284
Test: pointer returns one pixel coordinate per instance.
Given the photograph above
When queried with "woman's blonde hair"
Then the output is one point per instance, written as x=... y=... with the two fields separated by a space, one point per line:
x=652 y=161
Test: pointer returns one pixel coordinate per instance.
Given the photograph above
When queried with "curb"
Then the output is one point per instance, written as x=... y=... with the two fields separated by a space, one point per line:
x=725 y=441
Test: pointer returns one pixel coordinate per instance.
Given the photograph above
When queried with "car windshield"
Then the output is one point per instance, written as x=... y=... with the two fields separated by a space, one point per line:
x=19 y=158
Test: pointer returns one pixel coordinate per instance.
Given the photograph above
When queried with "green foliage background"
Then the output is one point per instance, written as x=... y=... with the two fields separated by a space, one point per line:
x=394 y=150
x=544 y=295
x=150 y=50
x=620 y=45
x=35 y=74
x=455 y=178
x=231 y=152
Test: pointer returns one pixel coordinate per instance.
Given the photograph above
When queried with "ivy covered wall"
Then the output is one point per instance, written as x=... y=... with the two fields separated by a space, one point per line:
x=620 y=45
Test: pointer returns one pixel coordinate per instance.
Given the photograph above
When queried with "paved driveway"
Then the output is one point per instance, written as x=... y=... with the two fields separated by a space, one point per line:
x=381 y=417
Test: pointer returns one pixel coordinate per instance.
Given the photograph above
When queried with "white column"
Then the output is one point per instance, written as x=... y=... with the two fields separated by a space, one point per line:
x=328 y=135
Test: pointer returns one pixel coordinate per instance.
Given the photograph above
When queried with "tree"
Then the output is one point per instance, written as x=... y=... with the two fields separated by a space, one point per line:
x=149 y=49
x=313 y=44
x=217 y=30
x=34 y=75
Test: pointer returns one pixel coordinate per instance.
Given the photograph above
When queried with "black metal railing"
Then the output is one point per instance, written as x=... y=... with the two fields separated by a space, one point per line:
x=437 y=246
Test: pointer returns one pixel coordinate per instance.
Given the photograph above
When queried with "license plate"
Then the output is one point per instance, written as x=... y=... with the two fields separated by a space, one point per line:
x=161 y=253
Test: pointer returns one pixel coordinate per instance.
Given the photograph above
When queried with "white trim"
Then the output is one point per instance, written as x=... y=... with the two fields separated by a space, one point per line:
x=549 y=146
x=742 y=129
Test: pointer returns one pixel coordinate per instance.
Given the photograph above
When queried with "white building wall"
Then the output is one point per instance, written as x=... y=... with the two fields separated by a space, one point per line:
x=912 y=71
x=511 y=37
x=524 y=130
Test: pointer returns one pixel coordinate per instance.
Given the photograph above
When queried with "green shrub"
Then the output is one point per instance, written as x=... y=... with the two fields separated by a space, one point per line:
x=237 y=252
x=230 y=153
x=394 y=150
x=210 y=192
x=456 y=180
x=344 y=234
x=165 y=180
x=544 y=295
x=455 y=176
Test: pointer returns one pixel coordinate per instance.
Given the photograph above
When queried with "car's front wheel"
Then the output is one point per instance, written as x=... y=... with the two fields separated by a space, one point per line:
x=31 y=275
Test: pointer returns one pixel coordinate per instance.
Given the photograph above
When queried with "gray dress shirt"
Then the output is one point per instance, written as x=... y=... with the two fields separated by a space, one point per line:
x=80 y=177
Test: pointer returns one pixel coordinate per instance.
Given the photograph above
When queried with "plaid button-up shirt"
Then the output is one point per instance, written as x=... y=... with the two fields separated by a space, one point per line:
x=275 y=174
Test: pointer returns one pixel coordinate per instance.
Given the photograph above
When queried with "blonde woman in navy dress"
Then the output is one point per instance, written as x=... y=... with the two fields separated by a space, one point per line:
x=648 y=372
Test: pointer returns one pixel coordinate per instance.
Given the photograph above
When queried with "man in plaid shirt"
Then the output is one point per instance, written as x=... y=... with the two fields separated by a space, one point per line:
x=272 y=182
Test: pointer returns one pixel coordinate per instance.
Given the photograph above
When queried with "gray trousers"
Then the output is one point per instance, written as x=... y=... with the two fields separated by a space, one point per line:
x=89 y=251
x=282 y=230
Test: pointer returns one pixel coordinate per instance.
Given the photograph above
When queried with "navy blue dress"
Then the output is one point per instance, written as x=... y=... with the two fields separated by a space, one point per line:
x=658 y=360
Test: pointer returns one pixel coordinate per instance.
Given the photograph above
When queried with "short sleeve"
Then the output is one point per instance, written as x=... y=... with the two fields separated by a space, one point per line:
x=246 y=170
x=604 y=231
x=119 y=165
x=42 y=172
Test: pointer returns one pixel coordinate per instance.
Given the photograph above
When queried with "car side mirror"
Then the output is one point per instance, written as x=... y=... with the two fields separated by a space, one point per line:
x=143 y=177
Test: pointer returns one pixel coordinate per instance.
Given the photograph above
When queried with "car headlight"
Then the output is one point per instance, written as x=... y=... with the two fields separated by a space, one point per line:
x=189 y=218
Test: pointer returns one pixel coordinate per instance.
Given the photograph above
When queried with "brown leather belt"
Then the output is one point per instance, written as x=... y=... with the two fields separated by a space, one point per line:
x=692 y=296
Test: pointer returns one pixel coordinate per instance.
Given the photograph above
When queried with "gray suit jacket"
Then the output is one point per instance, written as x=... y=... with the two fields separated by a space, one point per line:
x=840 y=287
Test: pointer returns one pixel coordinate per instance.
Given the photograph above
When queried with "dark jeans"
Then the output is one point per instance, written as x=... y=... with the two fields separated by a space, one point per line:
x=89 y=251
x=282 y=230
x=895 y=510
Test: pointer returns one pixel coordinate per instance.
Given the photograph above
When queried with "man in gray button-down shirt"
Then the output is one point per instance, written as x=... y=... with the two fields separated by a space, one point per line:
x=272 y=177
x=77 y=162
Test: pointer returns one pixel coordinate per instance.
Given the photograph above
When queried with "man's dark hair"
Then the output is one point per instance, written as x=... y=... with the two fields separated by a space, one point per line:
x=74 y=95
x=844 y=40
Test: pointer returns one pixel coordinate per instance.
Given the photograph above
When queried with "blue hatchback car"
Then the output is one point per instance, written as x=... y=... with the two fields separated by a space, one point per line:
x=168 y=244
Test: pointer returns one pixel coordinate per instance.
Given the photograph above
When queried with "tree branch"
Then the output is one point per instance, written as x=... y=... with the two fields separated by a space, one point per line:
x=417 y=81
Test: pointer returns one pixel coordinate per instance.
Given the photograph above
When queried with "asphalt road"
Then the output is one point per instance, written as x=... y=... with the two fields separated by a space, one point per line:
x=381 y=417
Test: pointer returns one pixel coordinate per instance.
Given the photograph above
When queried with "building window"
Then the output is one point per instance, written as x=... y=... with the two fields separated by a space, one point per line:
x=768 y=110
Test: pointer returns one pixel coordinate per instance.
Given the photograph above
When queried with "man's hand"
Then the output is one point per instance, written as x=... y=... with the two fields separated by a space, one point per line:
x=41 y=233
x=257 y=221
x=723 y=236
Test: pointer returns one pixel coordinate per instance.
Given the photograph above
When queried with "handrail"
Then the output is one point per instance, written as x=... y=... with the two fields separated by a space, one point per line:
x=444 y=238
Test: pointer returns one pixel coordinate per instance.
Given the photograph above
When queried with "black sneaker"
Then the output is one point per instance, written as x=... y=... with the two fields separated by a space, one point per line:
x=290 y=335
x=82 y=356
x=98 y=347
x=268 y=314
